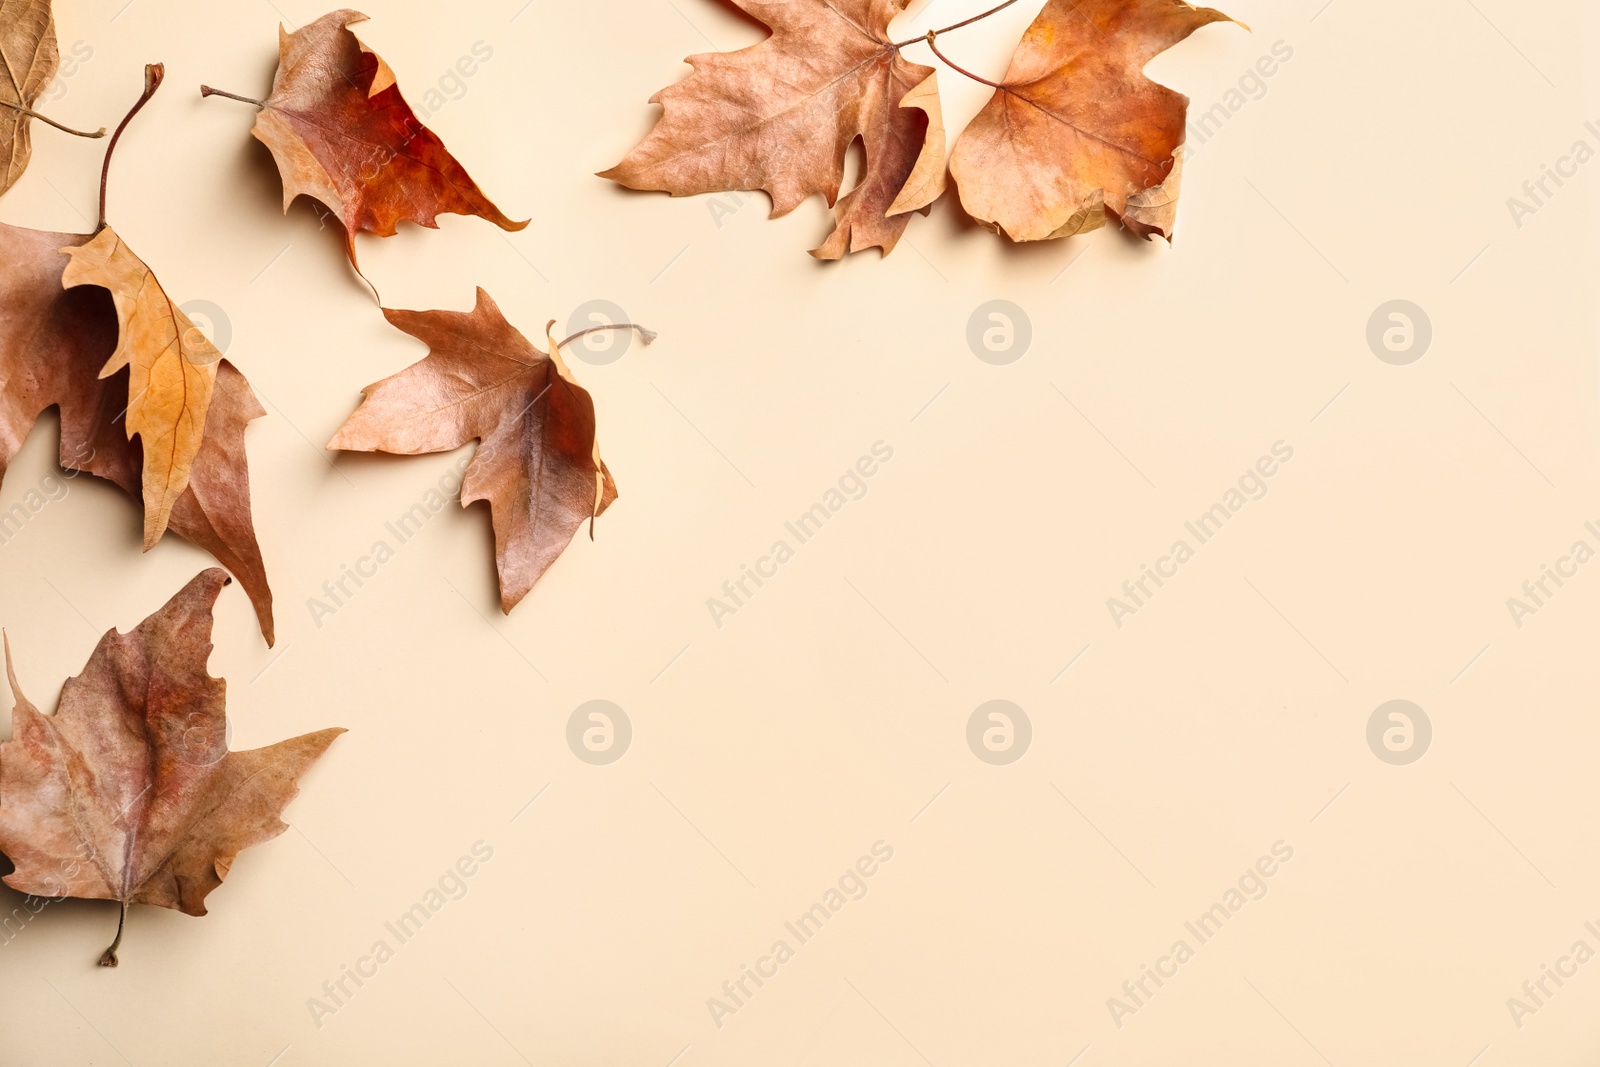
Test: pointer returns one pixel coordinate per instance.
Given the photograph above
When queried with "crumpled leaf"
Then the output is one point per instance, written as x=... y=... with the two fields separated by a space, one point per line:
x=29 y=58
x=537 y=463
x=780 y=116
x=54 y=342
x=128 y=792
x=1077 y=131
x=342 y=134
x=173 y=367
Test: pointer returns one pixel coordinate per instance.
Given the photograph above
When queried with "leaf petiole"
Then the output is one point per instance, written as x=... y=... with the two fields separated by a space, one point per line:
x=645 y=335
x=206 y=90
x=956 y=25
x=32 y=114
x=153 y=75
x=109 y=957
x=956 y=67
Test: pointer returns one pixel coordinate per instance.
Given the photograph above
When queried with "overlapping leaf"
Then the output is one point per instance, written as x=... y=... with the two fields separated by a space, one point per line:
x=1076 y=131
x=128 y=792
x=780 y=116
x=54 y=343
x=172 y=369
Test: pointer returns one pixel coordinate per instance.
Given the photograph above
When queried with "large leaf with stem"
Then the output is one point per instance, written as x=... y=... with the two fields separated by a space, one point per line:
x=1075 y=131
x=128 y=792
x=538 y=458
x=146 y=401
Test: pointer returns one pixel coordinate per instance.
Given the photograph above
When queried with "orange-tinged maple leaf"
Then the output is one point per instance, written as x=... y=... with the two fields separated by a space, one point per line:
x=1076 y=131
x=343 y=135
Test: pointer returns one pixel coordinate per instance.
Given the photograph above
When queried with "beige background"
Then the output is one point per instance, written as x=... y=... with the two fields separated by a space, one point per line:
x=830 y=713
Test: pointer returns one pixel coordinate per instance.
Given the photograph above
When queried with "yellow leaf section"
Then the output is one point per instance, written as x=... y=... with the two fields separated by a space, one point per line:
x=926 y=183
x=173 y=369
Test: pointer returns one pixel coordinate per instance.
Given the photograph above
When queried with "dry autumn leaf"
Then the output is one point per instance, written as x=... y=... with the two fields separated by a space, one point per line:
x=173 y=368
x=128 y=792
x=29 y=58
x=343 y=135
x=537 y=463
x=1076 y=131
x=55 y=345
x=780 y=116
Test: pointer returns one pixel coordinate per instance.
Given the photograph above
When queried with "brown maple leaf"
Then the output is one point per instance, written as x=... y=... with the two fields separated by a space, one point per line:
x=537 y=463
x=53 y=344
x=342 y=134
x=780 y=116
x=1075 y=130
x=128 y=792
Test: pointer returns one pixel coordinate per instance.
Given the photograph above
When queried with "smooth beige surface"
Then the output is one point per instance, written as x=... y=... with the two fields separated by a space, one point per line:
x=830 y=712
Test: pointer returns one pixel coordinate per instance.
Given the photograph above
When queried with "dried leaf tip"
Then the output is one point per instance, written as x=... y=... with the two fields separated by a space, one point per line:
x=11 y=673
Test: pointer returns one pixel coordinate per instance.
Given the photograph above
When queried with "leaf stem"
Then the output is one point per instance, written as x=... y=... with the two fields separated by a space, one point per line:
x=957 y=68
x=206 y=90
x=956 y=25
x=109 y=957
x=153 y=74
x=645 y=335
x=32 y=114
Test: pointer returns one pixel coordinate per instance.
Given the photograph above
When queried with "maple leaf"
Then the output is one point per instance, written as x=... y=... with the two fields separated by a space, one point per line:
x=29 y=58
x=54 y=342
x=538 y=462
x=1075 y=130
x=342 y=134
x=128 y=792
x=780 y=116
